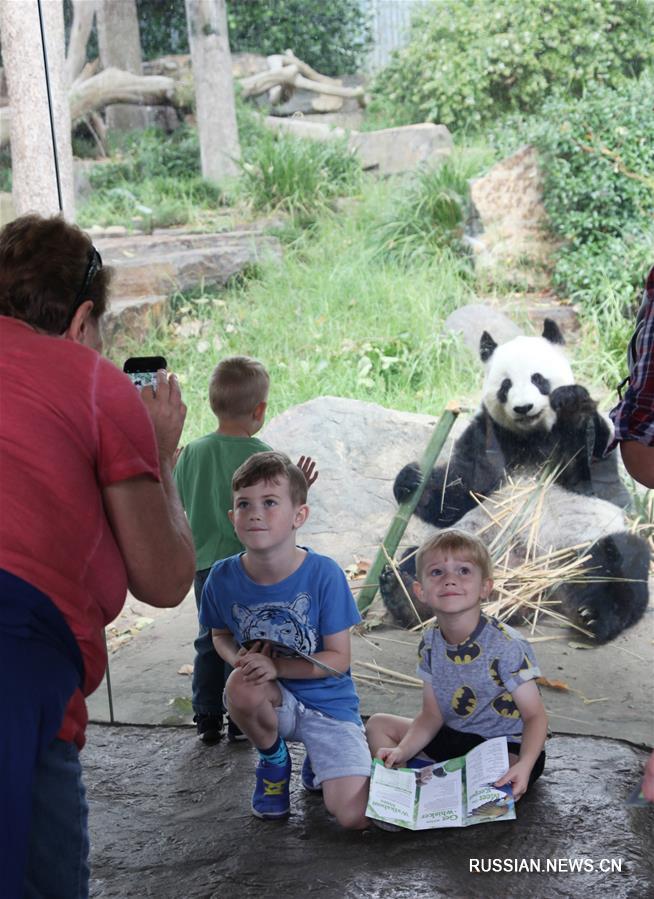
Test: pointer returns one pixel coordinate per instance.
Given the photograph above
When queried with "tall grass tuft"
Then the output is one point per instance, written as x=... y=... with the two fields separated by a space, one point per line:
x=430 y=214
x=299 y=176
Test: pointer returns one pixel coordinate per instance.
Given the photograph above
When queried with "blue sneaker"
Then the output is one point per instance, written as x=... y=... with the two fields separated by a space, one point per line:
x=308 y=777
x=271 y=799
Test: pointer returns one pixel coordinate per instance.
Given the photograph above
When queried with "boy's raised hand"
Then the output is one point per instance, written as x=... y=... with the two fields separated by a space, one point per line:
x=518 y=777
x=308 y=467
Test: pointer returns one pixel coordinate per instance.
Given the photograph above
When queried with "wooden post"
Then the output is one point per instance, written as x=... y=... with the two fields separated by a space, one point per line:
x=406 y=509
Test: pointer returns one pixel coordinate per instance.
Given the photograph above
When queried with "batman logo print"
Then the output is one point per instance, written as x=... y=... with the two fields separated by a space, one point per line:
x=505 y=706
x=464 y=701
x=464 y=654
x=494 y=671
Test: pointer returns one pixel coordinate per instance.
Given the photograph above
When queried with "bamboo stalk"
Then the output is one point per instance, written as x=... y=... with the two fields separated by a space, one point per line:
x=406 y=509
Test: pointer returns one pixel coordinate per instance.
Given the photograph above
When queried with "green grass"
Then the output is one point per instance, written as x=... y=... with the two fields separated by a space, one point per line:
x=298 y=176
x=332 y=319
x=430 y=212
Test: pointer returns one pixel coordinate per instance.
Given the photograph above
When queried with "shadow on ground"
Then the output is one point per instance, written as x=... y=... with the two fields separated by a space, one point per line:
x=170 y=819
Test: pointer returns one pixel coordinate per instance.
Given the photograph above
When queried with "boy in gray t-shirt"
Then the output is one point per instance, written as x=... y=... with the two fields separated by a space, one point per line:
x=479 y=674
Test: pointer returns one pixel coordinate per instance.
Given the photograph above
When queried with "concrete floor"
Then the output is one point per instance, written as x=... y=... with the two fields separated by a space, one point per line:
x=170 y=817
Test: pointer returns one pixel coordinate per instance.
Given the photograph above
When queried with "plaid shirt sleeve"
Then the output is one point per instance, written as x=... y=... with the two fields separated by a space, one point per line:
x=633 y=417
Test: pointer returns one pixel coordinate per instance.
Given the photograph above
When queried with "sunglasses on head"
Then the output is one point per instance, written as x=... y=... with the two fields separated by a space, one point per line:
x=94 y=265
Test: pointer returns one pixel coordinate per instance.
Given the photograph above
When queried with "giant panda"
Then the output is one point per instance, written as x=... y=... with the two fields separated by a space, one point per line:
x=534 y=418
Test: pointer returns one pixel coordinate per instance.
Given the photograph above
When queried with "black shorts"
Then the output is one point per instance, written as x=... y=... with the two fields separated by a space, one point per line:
x=450 y=744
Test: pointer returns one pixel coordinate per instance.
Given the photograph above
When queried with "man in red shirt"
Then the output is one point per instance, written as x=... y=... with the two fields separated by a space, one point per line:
x=88 y=509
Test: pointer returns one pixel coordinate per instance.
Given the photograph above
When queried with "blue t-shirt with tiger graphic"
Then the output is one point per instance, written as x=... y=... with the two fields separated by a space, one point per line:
x=313 y=602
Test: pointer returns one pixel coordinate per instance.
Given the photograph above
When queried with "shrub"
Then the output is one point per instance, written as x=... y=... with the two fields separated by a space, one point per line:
x=285 y=172
x=469 y=60
x=598 y=159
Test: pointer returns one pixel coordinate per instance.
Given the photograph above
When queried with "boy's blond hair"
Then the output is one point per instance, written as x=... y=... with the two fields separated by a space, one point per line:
x=272 y=466
x=237 y=385
x=457 y=543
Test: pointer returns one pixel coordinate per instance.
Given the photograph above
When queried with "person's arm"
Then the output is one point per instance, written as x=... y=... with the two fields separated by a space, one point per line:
x=421 y=731
x=147 y=518
x=638 y=459
x=534 y=733
x=226 y=646
x=259 y=666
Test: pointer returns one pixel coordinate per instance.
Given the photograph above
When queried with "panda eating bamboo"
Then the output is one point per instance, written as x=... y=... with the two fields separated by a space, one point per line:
x=536 y=423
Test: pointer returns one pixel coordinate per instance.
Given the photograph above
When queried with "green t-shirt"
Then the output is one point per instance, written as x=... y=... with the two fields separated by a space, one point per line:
x=203 y=475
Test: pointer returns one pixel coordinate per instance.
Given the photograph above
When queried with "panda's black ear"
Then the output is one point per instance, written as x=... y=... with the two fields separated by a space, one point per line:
x=551 y=332
x=487 y=346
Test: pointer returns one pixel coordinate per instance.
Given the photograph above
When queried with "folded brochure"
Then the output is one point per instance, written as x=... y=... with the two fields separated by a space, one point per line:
x=292 y=652
x=455 y=793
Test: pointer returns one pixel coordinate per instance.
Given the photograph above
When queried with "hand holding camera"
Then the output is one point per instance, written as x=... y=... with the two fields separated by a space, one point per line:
x=162 y=397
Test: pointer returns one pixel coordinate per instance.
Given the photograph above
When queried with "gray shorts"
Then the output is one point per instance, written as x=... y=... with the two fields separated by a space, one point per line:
x=336 y=748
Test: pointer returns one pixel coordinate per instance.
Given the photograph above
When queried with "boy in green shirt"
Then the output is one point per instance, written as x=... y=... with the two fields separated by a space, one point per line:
x=238 y=395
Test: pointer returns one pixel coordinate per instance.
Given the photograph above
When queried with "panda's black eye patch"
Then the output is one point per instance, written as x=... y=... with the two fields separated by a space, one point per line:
x=503 y=392
x=542 y=383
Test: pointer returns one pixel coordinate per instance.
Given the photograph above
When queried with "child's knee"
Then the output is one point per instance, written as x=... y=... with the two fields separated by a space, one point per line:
x=373 y=723
x=346 y=799
x=239 y=693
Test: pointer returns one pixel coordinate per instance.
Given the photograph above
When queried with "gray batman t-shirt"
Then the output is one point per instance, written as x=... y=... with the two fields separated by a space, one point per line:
x=474 y=681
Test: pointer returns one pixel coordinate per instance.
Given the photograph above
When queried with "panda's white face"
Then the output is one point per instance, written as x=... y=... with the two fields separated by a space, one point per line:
x=520 y=375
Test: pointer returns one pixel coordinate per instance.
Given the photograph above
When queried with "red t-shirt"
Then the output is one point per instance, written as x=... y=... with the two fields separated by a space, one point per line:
x=70 y=424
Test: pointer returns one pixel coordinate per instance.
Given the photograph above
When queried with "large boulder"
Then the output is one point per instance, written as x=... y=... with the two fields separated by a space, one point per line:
x=508 y=202
x=394 y=150
x=387 y=152
x=148 y=268
x=359 y=448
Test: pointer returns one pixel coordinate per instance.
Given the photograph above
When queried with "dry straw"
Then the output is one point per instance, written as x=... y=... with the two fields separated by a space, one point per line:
x=526 y=574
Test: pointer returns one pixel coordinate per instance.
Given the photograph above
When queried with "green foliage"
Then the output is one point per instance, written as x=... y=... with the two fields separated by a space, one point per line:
x=332 y=37
x=598 y=157
x=151 y=154
x=331 y=320
x=281 y=171
x=157 y=202
x=429 y=214
x=162 y=27
x=5 y=169
x=469 y=60
x=152 y=178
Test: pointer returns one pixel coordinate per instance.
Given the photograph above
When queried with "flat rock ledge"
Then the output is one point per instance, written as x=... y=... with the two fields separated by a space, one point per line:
x=150 y=268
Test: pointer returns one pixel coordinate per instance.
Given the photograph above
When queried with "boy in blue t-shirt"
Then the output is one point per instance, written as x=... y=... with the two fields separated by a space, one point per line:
x=278 y=591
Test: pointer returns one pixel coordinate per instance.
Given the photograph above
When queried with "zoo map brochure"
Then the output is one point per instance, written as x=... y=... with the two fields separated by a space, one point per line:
x=455 y=793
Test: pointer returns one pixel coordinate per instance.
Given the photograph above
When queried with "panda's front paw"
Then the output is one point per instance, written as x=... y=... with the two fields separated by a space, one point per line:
x=572 y=399
x=394 y=589
x=407 y=482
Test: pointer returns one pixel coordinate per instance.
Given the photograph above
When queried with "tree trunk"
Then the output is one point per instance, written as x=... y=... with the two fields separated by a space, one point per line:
x=120 y=48
x=33 y=167
x=83 y=13
x=214 y=88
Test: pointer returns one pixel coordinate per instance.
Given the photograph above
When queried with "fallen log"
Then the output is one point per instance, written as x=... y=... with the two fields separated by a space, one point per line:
x=115 y=86
x=290 y=75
